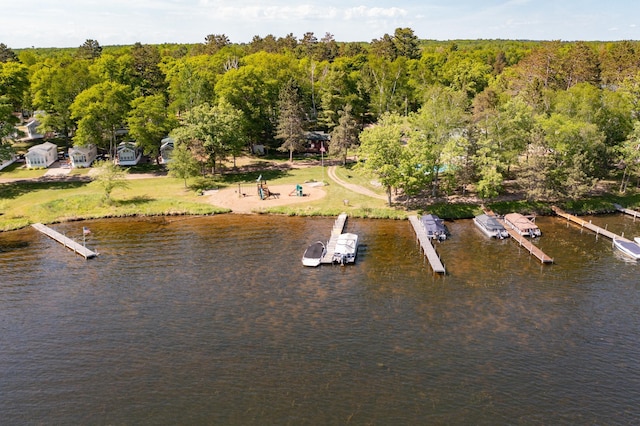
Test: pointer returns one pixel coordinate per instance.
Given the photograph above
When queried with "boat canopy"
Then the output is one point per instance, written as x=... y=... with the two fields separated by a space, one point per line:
x=433 y=225
x=490 y=222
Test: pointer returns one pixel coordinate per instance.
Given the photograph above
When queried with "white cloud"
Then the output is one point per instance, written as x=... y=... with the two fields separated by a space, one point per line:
x=374 y=12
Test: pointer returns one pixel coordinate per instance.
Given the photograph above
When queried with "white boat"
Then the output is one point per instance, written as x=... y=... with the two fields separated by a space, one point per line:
x=490 y=226
x=434 y=226
x=637 y=240
x=628 y=247
x=313 y=254
x=346 y=248
x=522 y=225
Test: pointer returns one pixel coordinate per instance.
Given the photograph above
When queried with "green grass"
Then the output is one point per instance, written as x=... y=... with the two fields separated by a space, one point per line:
x=352 y=175
x=337 y=200
x=19 y=171
x=26 y=202
x=29 y=202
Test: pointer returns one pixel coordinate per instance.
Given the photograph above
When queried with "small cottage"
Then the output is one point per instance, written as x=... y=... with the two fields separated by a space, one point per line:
x=42 y=155
x=82 y=156
x=166 y=148
x=128 y=154
x=317 y=142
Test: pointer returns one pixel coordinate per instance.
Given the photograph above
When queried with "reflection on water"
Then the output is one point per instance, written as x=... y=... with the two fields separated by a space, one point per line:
x=214 y=320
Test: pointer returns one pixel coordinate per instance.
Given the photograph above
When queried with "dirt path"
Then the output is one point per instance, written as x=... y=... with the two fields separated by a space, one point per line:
x=353 y=187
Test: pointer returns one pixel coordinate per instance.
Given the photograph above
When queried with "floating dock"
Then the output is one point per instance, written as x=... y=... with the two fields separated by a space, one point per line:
x=524 y=242
x=427 y=247
x=65 y=241
x=590 y=226
x=337 y=229
x=630 y=212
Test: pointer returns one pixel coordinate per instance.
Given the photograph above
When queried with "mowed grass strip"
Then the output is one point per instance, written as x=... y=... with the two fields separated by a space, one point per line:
x=24 y=203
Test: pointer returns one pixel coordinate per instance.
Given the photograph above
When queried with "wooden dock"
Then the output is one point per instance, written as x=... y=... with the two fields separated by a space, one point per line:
x=522 y=241
x=337 y=229
x=630 y=212
x=590 y=226
x=526 y=243
x=65 y=241
x=427 y=247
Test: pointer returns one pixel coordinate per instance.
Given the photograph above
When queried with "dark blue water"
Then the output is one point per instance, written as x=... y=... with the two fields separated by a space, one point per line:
x=214 y=320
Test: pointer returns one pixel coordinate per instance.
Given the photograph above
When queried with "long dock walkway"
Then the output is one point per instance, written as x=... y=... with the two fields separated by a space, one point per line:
x=630 y=212
x=65 y=241
x=427 y=247
x=524 y=242
x=338 y=226
x=590 y=226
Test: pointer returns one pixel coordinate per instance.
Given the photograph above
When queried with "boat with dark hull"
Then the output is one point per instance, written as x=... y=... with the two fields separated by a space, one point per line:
x=313 y=254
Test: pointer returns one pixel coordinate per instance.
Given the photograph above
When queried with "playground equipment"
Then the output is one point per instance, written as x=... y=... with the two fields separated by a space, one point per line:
x=297 y=191
x=263 y=190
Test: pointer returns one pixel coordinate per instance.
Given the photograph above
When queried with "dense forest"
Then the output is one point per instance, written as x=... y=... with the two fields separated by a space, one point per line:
x=425 y=116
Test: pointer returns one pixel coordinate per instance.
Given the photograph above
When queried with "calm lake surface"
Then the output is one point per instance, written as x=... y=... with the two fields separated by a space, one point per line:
x=215 y=321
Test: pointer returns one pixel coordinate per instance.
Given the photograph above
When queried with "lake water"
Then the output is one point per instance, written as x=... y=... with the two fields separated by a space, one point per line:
x=215 y=321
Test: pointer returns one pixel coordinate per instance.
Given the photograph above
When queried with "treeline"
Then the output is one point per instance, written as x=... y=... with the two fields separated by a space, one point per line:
x=556 y=117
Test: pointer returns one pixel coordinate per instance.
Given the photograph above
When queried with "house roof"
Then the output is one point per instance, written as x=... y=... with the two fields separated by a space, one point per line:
x=43 y=147
x=317 y=135
x=82 y=149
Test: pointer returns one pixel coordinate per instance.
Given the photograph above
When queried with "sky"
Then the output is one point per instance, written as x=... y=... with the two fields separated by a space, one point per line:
x=69 y=23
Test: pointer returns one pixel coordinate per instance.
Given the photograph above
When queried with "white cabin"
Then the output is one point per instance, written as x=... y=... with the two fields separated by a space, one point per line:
x=128 y=154
x=83 y=156
x=166 y=148
x=42 y=155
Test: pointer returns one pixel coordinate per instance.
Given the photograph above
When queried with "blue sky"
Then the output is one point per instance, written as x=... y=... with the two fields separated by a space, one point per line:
x=68 y=23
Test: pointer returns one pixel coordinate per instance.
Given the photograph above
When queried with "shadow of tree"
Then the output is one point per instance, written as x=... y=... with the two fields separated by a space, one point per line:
x=141 y=199
x=15 y=189
x=253 y=176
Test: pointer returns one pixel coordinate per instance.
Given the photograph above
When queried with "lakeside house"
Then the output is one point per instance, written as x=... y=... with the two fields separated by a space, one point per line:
x=83 y=156
x=166 y=149
x=128 y=154
x=317 y=142
x=42 y=155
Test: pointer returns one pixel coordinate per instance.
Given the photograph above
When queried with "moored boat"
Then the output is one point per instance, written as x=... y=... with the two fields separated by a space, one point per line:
x=346 y=248
x=313 y=254
x=522 y=225
x=628 y=247
x=434 y=226
x=490 y=226
x=637 y=240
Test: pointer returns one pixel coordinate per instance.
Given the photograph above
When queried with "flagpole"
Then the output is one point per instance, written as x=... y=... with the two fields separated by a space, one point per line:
x=322 y=160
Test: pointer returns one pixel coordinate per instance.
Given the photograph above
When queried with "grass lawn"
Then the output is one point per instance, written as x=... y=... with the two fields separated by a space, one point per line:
x=25 y=203
x=338 y=199
x=20 y=171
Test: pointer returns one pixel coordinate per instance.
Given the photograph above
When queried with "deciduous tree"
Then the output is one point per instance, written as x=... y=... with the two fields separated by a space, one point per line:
x=149 y=121
x=382 y=153
x=109 y=176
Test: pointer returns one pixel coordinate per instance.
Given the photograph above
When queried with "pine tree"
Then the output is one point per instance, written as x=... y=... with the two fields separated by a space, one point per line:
x=291 y=119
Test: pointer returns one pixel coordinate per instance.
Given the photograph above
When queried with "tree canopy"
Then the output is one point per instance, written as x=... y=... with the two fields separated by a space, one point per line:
x=555 y=117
